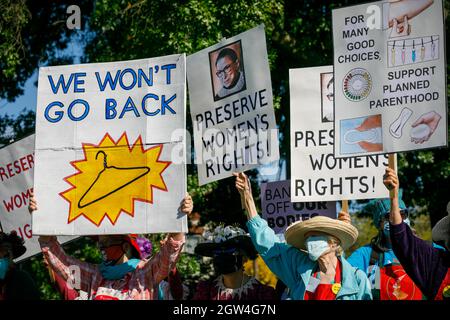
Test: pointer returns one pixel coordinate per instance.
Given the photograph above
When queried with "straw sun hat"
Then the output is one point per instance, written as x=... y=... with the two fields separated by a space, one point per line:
x=345 y=232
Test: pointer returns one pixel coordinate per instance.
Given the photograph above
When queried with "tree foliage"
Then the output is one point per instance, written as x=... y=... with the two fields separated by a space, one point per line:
x=32 y=33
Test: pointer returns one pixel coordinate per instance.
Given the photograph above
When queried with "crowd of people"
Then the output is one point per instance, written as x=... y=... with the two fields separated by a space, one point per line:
x=310 y=264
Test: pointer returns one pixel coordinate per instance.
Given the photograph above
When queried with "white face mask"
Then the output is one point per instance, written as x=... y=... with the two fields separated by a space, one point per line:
x=317 y=245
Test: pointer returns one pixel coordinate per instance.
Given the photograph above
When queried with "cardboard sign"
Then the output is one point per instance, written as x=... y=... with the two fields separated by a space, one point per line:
x=390 y=76
x=110 y=147
x=280 y=212
x=16 y=175
x=231 y=105
x=316 y=175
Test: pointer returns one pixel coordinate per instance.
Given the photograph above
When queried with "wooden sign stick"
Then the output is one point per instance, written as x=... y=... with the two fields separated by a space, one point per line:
x=392 y=164
x=345 y=205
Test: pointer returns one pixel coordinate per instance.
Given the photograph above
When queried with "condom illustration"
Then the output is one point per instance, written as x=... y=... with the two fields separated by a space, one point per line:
x=355 y=136
x=420 y=133
x=396 y=128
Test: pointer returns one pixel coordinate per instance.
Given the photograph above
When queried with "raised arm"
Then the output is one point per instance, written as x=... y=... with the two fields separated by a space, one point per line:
x=282 y=259
x=157 y=268
x=420 y=260
x=76 y=273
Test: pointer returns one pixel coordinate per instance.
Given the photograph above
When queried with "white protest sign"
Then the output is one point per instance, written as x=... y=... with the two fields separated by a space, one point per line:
x=231 y=103
x=16 y=175
x=280 y=212
x=390 y=72
x=316 y=175
x=110 y=147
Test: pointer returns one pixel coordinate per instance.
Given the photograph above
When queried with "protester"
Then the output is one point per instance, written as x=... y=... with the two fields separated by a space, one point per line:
x=388 y=278
x=15 y=284
x=311 y=262
x=228 y=246
x=427 y=266
x=123 y=274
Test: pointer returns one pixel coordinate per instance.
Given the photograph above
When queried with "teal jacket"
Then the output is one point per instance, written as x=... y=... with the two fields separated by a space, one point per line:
x=295 y=268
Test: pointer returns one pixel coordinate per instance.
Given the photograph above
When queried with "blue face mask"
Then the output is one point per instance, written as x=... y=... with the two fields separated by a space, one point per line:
x=117 y=272
x=317 y=245
x=4 y=266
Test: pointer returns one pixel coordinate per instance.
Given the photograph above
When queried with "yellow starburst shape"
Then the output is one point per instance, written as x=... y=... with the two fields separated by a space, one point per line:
x=111 y=177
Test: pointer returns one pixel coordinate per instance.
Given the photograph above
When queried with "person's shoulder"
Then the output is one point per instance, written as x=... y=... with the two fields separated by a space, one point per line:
x=264 y=290
x=366 y=249
x=203 y=284
x=203 y=290
x=346 y=265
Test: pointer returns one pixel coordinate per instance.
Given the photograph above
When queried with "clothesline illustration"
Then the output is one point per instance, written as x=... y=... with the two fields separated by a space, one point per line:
x=413 y=42
x=427 y=49
x=111 y=171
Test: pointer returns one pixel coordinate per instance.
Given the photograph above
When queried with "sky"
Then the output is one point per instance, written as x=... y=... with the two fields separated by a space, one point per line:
x=29 y=98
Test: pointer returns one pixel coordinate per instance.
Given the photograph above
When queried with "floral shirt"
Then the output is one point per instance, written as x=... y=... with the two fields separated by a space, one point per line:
x=142 y=284
x=216 y=290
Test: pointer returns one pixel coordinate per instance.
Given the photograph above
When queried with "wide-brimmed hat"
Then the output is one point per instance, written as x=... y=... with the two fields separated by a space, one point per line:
x=345 y=232
x=225 y=239
x=441 y=231
x=15 y=242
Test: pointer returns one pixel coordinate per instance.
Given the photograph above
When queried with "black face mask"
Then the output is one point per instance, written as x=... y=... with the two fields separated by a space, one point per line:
x=227 y=263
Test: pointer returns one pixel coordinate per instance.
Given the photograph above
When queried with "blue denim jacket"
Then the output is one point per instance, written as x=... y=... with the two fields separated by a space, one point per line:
x=295 y=268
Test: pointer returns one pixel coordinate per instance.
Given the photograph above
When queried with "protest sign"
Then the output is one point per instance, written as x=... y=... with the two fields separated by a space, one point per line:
x=110 y=147
x=280 y=212
x=16 y=175
x=316 y=175
x=390 y=72
x=232 y=106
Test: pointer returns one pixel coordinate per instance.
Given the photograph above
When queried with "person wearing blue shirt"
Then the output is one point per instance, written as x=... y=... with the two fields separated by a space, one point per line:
x=388 y=279
x=310 y=263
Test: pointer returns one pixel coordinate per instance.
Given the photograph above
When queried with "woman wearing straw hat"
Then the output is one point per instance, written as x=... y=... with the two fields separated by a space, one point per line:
x=427 y=266
x=228 y=245
x=310 y=264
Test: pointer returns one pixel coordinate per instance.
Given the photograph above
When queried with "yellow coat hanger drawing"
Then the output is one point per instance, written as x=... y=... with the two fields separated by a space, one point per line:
x=98 y=190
